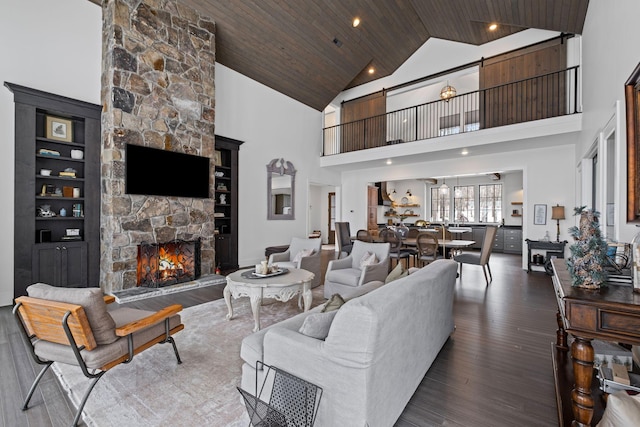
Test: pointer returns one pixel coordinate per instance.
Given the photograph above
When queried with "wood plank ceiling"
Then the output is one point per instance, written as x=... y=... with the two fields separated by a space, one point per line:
x=309 y=50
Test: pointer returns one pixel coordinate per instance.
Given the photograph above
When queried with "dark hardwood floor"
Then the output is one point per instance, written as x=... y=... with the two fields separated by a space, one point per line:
x=495 y=370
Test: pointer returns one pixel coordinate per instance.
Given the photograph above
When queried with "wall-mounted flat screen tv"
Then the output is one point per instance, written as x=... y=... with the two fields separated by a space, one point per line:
x=154 y=172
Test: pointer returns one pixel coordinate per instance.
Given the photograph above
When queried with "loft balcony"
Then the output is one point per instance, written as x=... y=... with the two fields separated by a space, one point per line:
x=493 y=110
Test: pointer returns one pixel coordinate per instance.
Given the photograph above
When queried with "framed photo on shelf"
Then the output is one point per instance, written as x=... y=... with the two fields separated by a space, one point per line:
x=539 y=214
x=60 y=129
x=217 y=158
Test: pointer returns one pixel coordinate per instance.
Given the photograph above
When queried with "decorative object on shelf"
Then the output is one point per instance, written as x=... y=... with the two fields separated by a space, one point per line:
x=539 y=214
x=45 y=211
x=46 y=152
x=67 y=191
x=63 y=212
x=281 y=178
x=76 y=192
x=77 y=210
x=60 y=129
x=221 y=186
x=45 y=172
x=68 y=172
x=447 y=92
x=557 y=213
x=223 y=199
x=77 y=154
x=217 y=158
x=635 y=257
x=219 y=174
x=588 y=255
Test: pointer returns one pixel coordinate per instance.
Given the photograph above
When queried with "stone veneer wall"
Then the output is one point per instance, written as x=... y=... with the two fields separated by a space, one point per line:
x=157 y=91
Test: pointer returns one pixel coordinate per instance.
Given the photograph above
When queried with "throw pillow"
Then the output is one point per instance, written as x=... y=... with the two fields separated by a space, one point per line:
x=368 y=259
x=317 y=325
x=303 y=253
x=334 y=303
x=395 y=273
x=622 y=410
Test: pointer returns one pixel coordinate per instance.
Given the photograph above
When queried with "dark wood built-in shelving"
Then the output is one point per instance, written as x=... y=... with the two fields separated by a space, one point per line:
x=45 y=248
x=226 y=227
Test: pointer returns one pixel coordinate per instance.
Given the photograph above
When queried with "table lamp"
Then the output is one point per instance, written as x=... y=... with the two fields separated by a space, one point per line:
x=557 y=213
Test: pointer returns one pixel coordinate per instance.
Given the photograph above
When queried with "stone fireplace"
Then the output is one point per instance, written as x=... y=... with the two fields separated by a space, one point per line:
x=169 y=263
x=157 y=91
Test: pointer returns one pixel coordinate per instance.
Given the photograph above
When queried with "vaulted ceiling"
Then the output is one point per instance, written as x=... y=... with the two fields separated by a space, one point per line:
x=309 y=50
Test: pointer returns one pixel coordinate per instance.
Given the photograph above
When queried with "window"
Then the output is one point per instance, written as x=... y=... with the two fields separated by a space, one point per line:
x=491 y=203
x=439 y=204
x=464 y=206
x=450 y=125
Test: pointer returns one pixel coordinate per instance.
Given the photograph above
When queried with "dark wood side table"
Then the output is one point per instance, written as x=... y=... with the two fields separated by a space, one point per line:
x=551 y=249
x=611 y=313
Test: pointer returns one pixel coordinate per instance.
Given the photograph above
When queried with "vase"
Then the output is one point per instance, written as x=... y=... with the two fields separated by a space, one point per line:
x=635 y=261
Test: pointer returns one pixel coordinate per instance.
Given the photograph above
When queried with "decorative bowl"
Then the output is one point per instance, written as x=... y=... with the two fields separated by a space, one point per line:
x=45 y=172
x=77 y=154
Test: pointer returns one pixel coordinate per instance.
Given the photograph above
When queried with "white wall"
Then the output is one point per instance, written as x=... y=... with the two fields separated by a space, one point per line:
x=609 y=55
x=271 y=126
x=51 y=46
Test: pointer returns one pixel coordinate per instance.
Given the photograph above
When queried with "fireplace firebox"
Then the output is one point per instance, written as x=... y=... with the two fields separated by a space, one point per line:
x=164 y=264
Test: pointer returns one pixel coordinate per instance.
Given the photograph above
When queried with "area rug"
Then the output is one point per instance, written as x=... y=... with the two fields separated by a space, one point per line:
x=153 y=390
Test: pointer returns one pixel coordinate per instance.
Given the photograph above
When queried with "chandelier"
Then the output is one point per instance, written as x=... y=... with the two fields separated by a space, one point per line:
x=447 y=92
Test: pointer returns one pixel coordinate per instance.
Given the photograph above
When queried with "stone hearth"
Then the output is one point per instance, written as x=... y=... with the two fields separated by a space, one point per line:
x=157 y=91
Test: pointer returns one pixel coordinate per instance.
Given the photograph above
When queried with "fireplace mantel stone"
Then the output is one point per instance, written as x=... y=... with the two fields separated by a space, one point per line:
x=158 y=91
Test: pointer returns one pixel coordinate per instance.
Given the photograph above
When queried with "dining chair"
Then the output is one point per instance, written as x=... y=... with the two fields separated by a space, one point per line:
x=343 y=238
x=427 y=244
x=396 y=250
x=482 y=258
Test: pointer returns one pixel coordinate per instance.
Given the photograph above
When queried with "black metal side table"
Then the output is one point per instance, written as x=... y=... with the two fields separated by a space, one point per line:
x=552 y=250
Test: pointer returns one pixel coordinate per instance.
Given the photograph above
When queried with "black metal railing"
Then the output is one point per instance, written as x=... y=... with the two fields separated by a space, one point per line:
x=541 y=97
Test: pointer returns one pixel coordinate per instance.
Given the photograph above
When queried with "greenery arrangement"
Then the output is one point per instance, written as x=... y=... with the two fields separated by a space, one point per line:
x=588 y=253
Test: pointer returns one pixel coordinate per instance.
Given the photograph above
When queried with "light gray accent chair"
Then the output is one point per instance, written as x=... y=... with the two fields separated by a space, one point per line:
x=482 y=258
x=345 y=273
x=310 y=263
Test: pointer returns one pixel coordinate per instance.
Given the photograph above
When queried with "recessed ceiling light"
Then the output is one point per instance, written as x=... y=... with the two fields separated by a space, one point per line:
x=389 y=161
x=493 y=27
x=464 y=152
x=355 y=22
x=372 y=70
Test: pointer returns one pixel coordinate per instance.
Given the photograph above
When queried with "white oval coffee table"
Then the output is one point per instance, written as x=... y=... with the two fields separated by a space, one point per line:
x=281 y=288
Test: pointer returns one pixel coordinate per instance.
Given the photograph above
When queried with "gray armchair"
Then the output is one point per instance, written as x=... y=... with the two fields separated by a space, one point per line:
x=310 y=263
x=345 y=273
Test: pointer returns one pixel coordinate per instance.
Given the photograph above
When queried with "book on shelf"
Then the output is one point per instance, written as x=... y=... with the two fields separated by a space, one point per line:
x=68 y=174
x=45 y=152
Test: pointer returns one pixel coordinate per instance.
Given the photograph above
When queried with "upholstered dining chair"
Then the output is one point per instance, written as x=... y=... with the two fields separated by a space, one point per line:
x=72 y=326
x=427 y=244
x=482 y=258
x=343 y=238
x=364 y=236
x=302 y=253
x=396 y=249
x=358 y=268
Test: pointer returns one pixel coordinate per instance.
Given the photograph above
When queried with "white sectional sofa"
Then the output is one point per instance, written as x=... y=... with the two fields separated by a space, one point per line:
x=378 y=348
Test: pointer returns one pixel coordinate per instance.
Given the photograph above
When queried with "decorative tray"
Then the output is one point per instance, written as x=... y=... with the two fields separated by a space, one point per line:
x=251 y=274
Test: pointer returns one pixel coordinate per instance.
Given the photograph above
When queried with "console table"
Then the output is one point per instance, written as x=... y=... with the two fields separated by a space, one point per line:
x=550 y=248
x=611 y=313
